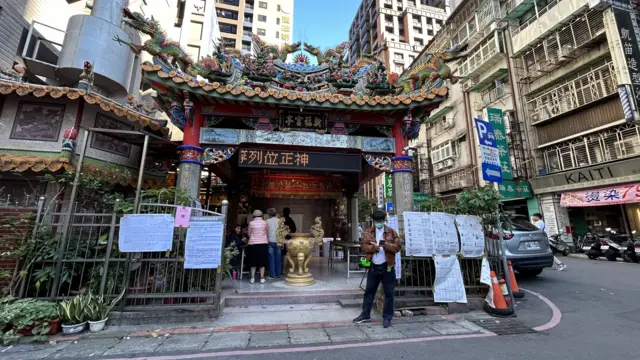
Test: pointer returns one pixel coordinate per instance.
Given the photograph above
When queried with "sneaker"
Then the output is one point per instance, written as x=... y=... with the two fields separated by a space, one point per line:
x=361 y=320
x=561 y=267
x=252 y=280
x=270 y=278
x=386 y=323
x=263 y=280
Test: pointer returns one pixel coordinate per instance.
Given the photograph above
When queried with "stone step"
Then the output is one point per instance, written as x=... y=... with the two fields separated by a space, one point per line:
x=256 y=315
x=351 y=303
x=289 y=298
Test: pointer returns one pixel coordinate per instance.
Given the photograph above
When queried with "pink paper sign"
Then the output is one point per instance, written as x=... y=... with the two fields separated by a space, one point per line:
x=183 y=217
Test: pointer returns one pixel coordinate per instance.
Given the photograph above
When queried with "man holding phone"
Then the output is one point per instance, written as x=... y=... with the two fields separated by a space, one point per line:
x=380 y=244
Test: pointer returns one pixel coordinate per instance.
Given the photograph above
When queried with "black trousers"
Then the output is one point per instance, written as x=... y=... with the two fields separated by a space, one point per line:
x=379 y=274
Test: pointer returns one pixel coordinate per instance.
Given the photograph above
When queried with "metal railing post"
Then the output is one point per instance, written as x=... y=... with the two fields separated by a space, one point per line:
x=225 y=210
x=107 y=256
x=505 y=266
x=67 y=219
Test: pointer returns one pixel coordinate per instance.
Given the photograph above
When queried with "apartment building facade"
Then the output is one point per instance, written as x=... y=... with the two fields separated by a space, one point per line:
x=272 y=20
x=397 y=30
x=547 y=74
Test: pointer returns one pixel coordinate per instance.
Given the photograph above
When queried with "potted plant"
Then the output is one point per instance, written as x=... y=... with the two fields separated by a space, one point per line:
x=27 y=317
x=97 y=311
x=73 y=314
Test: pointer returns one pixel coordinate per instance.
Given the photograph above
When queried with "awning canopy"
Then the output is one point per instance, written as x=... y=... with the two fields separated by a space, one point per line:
x=610 y=195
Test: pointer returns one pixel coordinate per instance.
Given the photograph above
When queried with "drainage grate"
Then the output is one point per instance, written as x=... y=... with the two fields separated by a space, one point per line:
x=504 y=326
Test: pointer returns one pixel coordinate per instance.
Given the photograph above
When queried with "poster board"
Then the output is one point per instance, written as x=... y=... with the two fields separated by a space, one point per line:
x=471 y=236
x=444 y=233
x=448 y=286
x=146 y=233
x=204 y=242
x=418 y=234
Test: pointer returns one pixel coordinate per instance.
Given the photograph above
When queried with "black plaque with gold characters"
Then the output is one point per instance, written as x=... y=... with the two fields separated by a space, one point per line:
x=300 y=160
x=305 y=121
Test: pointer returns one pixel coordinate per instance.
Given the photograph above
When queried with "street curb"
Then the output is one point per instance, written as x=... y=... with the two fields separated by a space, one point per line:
x=256 y=328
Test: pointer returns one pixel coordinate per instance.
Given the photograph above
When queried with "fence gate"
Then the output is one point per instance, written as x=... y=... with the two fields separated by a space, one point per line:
x=83 y=255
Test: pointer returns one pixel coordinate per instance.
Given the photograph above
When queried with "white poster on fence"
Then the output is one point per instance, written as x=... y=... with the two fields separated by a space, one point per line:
x=417 y=234
x=444 y=234
x=485 y=272
x=145 y=233
x=471 y=235
x=203 y=245
x=392 y=222
x=448 y=286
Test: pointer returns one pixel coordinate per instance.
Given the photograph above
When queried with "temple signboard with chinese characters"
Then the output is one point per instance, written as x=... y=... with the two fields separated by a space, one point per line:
x=610 y=195
x=296 y=120
x=300 y=160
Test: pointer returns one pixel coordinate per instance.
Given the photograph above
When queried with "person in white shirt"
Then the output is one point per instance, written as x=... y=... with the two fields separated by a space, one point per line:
x=275 y=250
x=380 y=244
x=537 y=221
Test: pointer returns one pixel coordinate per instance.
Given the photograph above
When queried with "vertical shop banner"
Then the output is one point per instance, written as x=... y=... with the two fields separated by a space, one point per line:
x=495 y=117
x=627 y=30
x=388 y=186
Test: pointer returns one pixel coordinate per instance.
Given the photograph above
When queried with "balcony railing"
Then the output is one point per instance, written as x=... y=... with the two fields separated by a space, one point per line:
x=488 y=12
x=495 y=94
x=514 y=8
x=563 y=45
x=534 y=18
x=614 y=144
x=578 y=90
x=480 y=58
x=456 y=180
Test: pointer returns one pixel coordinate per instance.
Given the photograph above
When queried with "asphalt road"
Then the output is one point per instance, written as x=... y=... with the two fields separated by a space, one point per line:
x=600 y=305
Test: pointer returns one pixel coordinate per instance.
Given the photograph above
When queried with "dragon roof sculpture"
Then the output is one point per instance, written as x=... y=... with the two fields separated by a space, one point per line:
x=266 y=72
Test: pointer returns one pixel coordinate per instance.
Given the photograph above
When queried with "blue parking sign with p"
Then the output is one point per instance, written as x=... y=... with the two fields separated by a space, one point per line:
x=485 y=133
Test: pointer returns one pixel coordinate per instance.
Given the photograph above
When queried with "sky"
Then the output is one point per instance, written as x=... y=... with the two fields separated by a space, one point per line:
x=323 y=23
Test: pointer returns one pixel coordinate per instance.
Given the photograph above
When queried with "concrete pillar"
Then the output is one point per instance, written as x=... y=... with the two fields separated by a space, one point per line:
x=191 y=154
x=353 y=217
x=402 y=173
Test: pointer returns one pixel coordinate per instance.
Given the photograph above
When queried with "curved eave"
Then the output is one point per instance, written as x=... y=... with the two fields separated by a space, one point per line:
x=296 y=98
x=108 y=105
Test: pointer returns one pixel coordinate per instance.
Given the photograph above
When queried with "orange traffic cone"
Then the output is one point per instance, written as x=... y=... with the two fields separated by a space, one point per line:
x=514 y=284
x=505 y=291
x=500 y=307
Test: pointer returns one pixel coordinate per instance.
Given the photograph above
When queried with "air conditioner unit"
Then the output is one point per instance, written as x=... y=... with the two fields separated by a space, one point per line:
x=439 y=166
x=447 y=123
x=566 y=49
x=535 y=117
x=448 y=162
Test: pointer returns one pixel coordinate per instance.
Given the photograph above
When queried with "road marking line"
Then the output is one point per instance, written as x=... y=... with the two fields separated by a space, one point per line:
x=306 y=349
x=556 y=313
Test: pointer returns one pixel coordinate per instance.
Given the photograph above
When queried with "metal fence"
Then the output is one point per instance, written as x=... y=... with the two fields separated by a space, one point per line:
x=83 y=255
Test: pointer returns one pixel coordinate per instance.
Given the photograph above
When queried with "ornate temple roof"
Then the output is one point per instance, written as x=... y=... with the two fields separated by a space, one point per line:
x=108 y=105
x=265 y=76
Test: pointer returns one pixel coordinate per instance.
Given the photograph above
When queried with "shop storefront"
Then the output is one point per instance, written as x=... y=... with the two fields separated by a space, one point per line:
x=597 y=199
x=515 y=197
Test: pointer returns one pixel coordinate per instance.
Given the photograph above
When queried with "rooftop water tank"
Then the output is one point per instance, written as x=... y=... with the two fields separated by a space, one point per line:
x=90 y=38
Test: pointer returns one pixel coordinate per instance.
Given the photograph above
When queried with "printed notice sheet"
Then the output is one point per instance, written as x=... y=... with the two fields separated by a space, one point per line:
x=146 y=233
x=471 y=235
x=392 y=222
x=485 y=272
x=203 y=245
x=417 y=234
x=448 y=286
x=444 y=234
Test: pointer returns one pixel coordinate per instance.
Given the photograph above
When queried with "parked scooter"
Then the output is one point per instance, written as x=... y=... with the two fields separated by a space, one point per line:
x=557 y=245
x=613 y=246
x=596 y=250
x=630 y=252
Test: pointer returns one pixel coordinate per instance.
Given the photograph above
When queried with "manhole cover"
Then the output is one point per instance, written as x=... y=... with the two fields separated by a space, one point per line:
x=504 y=326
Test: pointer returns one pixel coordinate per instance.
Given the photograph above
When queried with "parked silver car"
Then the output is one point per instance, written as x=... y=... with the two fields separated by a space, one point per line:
x=527 y=247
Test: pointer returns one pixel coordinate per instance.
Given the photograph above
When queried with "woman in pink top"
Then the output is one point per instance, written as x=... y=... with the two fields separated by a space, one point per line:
x=258 y=249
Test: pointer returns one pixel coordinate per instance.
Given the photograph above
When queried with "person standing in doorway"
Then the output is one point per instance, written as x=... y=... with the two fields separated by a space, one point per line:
x=539 y=223
x=258 y=249
x=380 y=243
x=288 y=221
x=275 y=249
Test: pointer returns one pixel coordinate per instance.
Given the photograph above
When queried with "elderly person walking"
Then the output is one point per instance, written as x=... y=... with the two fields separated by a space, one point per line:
x=258 y=249
x=275 y=250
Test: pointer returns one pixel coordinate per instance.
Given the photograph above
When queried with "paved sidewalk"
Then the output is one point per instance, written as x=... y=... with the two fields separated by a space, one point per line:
x=119 y=343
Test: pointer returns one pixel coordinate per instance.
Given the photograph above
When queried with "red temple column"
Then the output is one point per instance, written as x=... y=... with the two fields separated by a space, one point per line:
x=402 y=169
x=191 y=152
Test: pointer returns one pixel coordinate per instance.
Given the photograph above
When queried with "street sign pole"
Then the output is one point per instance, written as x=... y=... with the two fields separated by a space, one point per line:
x=492 y=173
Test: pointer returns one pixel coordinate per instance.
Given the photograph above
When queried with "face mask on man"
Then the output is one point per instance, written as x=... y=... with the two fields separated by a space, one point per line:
x=379 y=225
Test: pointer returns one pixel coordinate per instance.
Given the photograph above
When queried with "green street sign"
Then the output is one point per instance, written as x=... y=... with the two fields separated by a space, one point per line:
x=515 y=190
x=420 y=197
x=494 y=116
x=388 y=186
